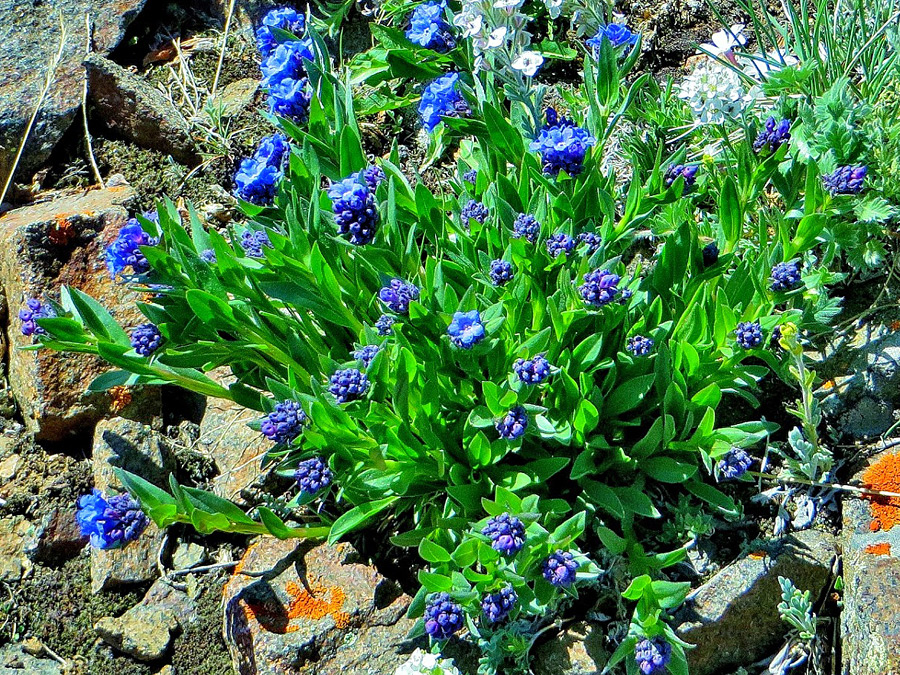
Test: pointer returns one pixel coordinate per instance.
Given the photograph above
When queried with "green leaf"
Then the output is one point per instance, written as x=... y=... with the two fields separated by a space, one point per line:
x=627 y=396
x=433 y=553
x=146 y=492
x=357 y=516
x=730 y=215
x=667 y=470
x=274 y=524
x=96 y=318
x=435 y=583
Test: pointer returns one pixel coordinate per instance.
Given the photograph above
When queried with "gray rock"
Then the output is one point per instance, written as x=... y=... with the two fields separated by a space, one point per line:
x=132 y=107
x=30 y=34
x=16 y=661
x=139 y=449
x=870 y=620
x=578 y=651
x=14 y=564
x=187 y=555
x=733 y=618
x=237 y=96
x=142 y=632
x=56 y=538
x=314 y=611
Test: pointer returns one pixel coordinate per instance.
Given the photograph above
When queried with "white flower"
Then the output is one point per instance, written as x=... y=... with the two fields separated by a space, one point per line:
x=760 y=65
x=528 y=63
x=496 y=38
x=724 y=41
x=470 y=23
x=715 y=92
x=422 y=663
x=554 y=7
x=508 y=4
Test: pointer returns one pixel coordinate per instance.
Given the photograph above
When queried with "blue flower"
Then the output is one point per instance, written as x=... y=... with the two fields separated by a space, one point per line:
x=710 y=254
x=749 y=334
x=285 y=18
x=366 y=354
x=532 y=371
x=618 y=34
x=354 y=208
x=785 y=276
x=286 y=62
x=256 y=182
x=689 y=173
x=252 y=241
x=514 y=424
x=427 y=28
x=773 y=136
x=313 y=475
x=600 y=287
x=146 y=339
x=373 y=177
x=639 y=345
x=501 y=272
x=384 y=325
x=466 y=329
x=398 y=295
x=125 y=251
x=110 y=523
x=506 y=532
x=497 y=606
x=442 y=99
x=562 y=147
x=526 y=227
x=846 y=180
x=207 y=255
x=734 y=464
x=560 y=568
x=34 y=309
x=474 y=210
x=652 y=656
x=272 y=150
x=554 y=120
x=443 y=617
x=284 y=423
x=559 y=244
x=471 y=176
x=348 y=384
x=590 y=239
x=290 y=98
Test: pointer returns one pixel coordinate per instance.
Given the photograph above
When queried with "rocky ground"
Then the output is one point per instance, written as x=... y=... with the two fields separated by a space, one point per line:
x=175 y=603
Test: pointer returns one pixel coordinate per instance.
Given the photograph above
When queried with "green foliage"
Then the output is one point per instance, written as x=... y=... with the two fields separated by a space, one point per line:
x=796 y=609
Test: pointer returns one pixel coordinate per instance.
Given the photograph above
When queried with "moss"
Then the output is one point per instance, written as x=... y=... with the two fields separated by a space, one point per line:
x=200 y=650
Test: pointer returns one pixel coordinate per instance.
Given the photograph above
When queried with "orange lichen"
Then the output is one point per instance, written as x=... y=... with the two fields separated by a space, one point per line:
x=315 y=603
x=883 y=548
x=829 y=384
x=120 y=397
x=62 y=232
x=895 y=326
x=883 y=475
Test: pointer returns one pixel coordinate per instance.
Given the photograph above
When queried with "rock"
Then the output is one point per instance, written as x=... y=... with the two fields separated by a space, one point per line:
x=142 y=632
x=871 y=617
x=139 y=449
x=733 y=618
x=237 y=96
x=30 y=35
x=578 y=651
x=56 y=538
x=130 y=105
x=50 y=387
x=14 y=564
x=187 y=555
x=9 y=467
x=312 y=610
x=16 y=661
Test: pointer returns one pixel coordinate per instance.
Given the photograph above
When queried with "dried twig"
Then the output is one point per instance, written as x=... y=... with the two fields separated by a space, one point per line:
x=84 y=93
x=222 y=50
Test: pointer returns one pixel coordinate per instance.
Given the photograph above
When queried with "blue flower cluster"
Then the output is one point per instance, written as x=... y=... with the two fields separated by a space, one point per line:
x=313 y=475
x=532 y=371
x=600 y=287
x=652 y=656
x=443 y=617
x=366 y=354
x=773 y=136
x=290 y=98
x=749 y=334
x=474 y=210
x=591 y=240
x=373 y=176
x=284 y=18
x=398 y=295
x=497 y=606
x=785 y=276
x=560 y=568
x=34 y=309
x=562 y=145
x=466 y=329
x=428 y=28
x=506 y=532
x=207 y=255
x=348 y=384
x=385 y=324
x=846 y=180
x=125 y=251
x=253 y=241
x=146 y=339
x=110 y=523
x=689 y=173
x=501 y=272
x=559 y=244
x=619 y=35
x=710 y=254
x=526 y=227
x=734 y=464
x=354 y=207
x=471 y=176
x=257 y=177
x=441 y=98
x=514 y=424
x=284 y=423
x=639 y=345
x=282 y=67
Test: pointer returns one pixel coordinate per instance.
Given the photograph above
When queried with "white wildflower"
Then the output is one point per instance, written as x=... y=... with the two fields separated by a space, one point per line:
x=554 y=8
x=497 y=37
x=423 y=663
x=715 y=92
x=470 y=22
x=759 y=65
x=528 y=63
x=724 y=41
x=508 y=4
